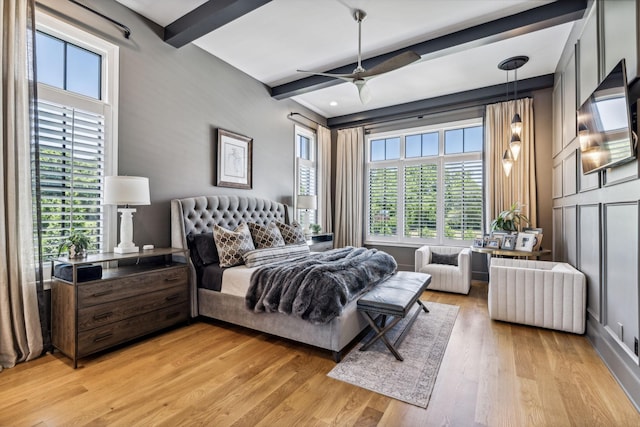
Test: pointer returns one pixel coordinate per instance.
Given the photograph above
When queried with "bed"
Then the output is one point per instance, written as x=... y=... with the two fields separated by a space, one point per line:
x=194 y=216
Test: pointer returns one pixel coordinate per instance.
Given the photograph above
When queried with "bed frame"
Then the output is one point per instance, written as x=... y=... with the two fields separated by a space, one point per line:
x=194 y=215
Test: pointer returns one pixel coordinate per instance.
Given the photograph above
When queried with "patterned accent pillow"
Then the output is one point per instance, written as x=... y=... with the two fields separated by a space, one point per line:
x=259 y=257
x=265 y=236
x=232 y=244
x=292 y=234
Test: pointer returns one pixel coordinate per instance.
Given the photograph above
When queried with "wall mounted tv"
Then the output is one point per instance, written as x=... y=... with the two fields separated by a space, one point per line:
x=604 y=124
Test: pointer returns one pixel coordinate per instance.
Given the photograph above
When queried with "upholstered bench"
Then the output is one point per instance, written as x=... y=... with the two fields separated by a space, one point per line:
x=394 y=297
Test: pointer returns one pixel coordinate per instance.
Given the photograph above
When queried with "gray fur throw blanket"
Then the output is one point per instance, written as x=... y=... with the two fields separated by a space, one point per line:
x=316 y=288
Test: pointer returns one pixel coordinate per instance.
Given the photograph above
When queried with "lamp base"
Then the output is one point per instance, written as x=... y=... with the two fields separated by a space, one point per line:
x=119 y=250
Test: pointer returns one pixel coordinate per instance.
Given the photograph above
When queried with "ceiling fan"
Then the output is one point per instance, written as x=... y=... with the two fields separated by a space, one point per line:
x=359 y=76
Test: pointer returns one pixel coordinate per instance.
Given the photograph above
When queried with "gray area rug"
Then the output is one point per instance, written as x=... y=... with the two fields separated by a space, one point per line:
x=412 y=380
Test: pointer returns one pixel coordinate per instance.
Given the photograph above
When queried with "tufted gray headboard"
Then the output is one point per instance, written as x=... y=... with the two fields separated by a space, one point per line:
x=195 y=215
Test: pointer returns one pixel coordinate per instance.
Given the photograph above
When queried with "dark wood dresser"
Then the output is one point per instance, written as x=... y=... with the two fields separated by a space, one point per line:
x=138 y=293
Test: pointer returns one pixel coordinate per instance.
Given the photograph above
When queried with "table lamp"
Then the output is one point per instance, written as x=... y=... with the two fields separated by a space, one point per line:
x=126 y=190
x=307 y=203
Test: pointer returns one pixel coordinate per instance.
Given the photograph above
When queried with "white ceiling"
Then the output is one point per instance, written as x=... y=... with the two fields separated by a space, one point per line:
x=273 y=41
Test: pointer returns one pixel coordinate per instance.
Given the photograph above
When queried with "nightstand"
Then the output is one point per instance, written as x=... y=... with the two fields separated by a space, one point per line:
x=139 y=293
x=320 y=242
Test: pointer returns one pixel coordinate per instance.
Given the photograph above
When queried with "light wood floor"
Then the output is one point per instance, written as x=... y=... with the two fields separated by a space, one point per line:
x=493 y=374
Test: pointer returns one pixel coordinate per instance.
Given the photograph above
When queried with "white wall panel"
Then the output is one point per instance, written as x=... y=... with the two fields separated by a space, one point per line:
x=589 y=254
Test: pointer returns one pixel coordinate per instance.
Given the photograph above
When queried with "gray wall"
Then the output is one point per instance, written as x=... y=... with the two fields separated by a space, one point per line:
x=596 y=216
x=171 y=102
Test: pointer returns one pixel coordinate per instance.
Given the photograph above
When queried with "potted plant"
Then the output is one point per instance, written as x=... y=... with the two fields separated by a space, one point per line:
x=77 y=244
x=510 y=220
x=315 y=228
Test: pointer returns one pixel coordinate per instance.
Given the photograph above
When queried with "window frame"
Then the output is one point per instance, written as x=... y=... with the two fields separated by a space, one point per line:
x=440 y=160
x=107 y=106
x=311 y=163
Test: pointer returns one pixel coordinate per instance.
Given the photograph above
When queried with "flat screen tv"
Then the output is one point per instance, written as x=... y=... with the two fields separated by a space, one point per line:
x=604 y=124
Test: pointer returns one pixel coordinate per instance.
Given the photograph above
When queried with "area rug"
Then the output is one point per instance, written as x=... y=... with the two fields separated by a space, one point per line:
x=412 y=380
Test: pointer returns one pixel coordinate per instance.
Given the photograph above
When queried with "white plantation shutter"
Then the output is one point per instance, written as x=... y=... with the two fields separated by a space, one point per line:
x=72 y=158
x=383 y=201
x=307 y=176
x=463 y=199
x=420 y=201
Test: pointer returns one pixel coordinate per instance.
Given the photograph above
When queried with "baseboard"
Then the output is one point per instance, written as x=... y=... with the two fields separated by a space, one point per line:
x=621 y=367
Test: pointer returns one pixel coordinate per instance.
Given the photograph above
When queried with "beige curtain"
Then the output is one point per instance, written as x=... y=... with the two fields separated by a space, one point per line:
x=324 y=178
x=349 y=187
x=20 y=333
x=520 y=186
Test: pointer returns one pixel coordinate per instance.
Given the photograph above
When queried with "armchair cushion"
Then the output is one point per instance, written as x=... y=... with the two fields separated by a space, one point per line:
x=451 y=259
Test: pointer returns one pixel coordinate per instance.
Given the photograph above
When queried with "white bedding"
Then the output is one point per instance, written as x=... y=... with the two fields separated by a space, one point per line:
x=236 y=280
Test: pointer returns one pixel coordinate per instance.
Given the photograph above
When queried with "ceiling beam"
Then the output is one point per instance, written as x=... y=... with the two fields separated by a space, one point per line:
x=206 y=18
x=539 y=18
x=469 y=98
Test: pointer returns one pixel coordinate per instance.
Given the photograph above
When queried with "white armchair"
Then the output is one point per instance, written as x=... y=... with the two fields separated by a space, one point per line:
x=445 y=277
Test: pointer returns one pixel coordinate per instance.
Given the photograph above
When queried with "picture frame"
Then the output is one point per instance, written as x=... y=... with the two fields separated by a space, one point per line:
x=509 y=242
x=478 y=242
x=493 y=243
x=235 y=157
x=525 y=242
x=532 y=230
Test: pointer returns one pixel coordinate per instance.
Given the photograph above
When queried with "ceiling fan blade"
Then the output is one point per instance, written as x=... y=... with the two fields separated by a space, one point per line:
x=347 y=77
x=363 y=90
x=392 y=64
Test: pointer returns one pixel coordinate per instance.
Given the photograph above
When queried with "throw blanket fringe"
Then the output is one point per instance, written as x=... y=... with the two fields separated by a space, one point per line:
x=316 y=288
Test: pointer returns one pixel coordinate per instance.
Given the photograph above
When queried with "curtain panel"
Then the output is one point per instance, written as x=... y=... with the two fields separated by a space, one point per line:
x=520 y=185
x=324 y=178
x=349 y=187
x=20 y=328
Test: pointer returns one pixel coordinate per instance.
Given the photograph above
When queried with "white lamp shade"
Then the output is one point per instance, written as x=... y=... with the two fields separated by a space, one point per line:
x=126 y=190
x=307 y=202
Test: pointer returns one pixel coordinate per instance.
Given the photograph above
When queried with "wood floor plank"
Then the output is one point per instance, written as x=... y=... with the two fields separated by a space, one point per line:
x=211 y=373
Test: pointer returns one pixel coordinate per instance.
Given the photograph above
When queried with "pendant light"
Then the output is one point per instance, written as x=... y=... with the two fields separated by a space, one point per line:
x=515 y=144
x=507 y=161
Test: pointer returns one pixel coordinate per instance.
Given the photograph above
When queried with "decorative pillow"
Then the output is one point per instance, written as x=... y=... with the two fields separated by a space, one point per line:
x=232 y=244
x=259 y=257
x=292 y=234
x=266 y=236
x=451 y=259
x=202 y=249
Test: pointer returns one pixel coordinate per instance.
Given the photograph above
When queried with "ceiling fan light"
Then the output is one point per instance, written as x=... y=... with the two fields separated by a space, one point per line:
x=363 y=91
x=515 y=145
x=507 y=161
x=516 y=125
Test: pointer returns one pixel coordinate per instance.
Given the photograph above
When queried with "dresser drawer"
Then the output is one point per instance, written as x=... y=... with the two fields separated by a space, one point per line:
x=92 y=316
x=124 y=287
x=115 y=333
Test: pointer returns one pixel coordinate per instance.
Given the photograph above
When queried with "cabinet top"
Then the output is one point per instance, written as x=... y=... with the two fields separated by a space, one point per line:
x=111 y=256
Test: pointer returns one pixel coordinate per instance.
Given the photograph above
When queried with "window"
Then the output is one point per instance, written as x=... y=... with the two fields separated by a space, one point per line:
x=76 y=104
x=425 y=185
x=306 y=172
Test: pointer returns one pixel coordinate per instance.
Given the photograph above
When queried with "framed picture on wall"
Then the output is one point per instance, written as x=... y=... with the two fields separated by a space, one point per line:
x=234 y=160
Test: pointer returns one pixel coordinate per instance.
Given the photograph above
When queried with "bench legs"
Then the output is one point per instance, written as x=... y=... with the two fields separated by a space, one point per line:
x=383 y=328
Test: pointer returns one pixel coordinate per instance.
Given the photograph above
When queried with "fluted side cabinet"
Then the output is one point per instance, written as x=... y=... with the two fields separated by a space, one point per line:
x=144 y=292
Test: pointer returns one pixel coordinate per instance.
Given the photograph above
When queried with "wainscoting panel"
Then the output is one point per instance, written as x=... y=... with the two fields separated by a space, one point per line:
x=557 y=181
x=589 y=254
x=557 y=116
x=587 y=49
x=569 y=101
x=570 y=235
x=621 y=273
x=590 y=181
x=569 y=182
x=558 y=251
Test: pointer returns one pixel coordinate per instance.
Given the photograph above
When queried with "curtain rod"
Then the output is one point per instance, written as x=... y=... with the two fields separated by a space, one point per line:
x=291 y=117
x=125 y=29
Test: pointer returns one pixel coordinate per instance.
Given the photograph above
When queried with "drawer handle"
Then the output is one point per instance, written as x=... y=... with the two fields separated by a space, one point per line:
x=172 y=297
x=103 y=337
x=172 y=315
x=101 y=294
x=102 y=316
x=171 y=279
